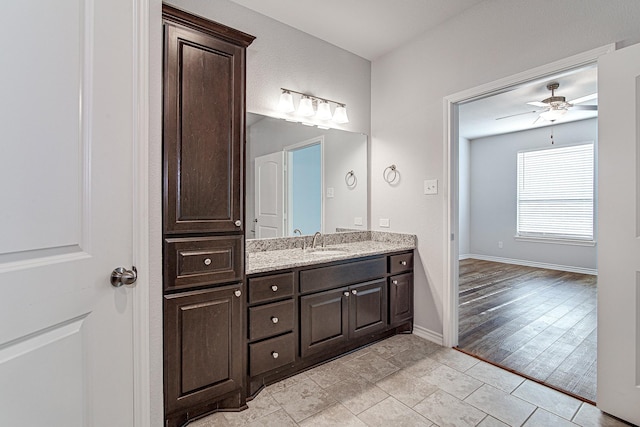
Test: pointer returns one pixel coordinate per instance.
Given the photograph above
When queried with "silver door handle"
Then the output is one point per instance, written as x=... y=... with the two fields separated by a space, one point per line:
x=121 y=276
x=238 y=223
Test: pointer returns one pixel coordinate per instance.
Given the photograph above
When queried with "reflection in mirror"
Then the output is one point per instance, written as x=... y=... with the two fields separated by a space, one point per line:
x=302 y=177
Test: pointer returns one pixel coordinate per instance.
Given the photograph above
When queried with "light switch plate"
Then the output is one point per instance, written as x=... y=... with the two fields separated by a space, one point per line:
x=430 y=186
x=330 y=192
x=384 y=222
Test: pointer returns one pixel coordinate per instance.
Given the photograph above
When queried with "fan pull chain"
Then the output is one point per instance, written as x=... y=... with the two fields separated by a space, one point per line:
x=551 y=135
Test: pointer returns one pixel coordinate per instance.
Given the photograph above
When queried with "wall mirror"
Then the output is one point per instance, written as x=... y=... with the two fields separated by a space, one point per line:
x=303 y=177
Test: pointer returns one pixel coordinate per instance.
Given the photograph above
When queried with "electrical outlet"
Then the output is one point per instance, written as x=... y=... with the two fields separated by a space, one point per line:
x=357 y=220
x=430 y=186
x=330 y=193
x=500 y=244
x=384 y=222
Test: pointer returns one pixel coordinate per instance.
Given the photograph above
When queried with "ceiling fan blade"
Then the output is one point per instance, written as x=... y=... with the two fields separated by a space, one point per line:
x=519 y=114
x=584 y=98
x=538 y=104
x=585 y=107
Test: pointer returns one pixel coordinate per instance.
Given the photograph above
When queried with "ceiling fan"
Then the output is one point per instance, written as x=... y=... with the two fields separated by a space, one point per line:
x=554 y=107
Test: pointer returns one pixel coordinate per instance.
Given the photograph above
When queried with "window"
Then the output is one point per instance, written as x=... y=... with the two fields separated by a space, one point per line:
x=555 y=193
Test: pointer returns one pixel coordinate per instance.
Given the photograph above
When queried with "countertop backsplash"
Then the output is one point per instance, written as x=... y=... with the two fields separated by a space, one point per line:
x=281 y=243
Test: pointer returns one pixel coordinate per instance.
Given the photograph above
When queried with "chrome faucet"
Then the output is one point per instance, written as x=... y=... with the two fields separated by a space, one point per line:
x=315 y=236
x=304 y=241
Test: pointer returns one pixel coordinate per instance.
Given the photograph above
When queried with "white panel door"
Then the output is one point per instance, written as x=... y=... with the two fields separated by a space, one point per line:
x=66 y=213
x=269 y=189
x=619 y=234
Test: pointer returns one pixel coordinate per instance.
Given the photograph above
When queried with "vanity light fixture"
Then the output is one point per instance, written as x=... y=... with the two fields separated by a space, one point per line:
x=340 y=115
x=324 y=110
x=306 y=107
x=286 y=102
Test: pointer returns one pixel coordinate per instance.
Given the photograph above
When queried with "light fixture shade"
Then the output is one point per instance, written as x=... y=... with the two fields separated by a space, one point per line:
x=553 y=114
x=305 y=109
x=286 y=102
x=340 y=115
x=324 y=111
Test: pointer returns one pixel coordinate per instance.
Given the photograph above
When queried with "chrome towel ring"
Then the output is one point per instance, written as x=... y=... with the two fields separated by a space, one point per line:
x=350 y=179
x=390 y=174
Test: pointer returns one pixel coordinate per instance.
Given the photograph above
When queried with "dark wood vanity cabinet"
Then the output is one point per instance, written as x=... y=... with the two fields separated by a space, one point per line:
x=323 y=311
x=331 y=318
x=203 y=344
x=203 y=216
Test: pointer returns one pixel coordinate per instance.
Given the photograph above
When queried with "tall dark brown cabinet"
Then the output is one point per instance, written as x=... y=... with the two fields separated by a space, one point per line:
x=203 y=216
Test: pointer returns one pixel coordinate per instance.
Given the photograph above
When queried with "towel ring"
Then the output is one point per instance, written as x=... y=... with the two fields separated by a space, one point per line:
x=350 y=179
x=390 y=174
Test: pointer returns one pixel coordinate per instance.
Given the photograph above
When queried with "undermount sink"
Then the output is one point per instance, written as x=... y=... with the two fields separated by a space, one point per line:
x=326 y=251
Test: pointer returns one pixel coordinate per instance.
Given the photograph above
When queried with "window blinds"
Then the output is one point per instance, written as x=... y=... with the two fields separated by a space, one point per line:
x=555 y=192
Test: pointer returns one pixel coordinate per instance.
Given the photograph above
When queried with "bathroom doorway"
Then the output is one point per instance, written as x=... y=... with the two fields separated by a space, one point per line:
x=304 y=187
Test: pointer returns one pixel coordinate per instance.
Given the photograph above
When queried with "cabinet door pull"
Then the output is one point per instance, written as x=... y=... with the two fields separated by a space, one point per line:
x=395 y=282
x=207 y=261
x=274 y=319
x=238 y=223
x=346 y=293
x=274 y=354
x=274 y=288
x=403 y=262
x=238 y=293
x=355 y=292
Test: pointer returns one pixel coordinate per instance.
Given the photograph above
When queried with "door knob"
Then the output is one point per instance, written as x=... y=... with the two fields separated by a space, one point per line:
x=121 y=276
x=238 y=223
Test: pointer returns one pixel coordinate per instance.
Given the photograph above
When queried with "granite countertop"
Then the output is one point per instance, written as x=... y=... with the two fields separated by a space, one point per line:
x=272 y=260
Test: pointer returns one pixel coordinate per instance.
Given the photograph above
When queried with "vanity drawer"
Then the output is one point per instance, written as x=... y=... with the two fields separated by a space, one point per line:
x=336 y=276
x=271 y=354
x=400 y=263
x=269 y=288
x=270 y=319
x=201 y=261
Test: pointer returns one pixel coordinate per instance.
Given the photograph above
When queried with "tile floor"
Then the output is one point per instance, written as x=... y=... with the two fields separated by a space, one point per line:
x=408 y=381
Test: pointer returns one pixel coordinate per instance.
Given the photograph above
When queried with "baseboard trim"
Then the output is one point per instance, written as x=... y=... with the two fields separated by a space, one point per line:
x=427 y=334
x=465 y=256
x=571 y=269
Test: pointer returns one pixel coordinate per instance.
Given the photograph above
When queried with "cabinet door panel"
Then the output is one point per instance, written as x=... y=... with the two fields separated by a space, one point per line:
x=323 y=321
x=400 y=298
x=367 y=308
x=203 y=132
x=203 y=338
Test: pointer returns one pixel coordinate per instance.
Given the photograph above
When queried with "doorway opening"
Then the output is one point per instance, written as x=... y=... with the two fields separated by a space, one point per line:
x=522 y=302
x=304 y=187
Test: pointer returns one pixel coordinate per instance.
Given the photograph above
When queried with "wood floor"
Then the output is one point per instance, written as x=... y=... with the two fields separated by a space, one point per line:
x=541 y=323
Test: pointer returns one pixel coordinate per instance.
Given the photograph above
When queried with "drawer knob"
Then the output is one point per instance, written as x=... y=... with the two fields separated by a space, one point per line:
x=274 y=319
x=274 y=288
x=207 y=261
x=238 y=293
x=395 y=282
x=354 y=292
x=238 y=223
x=346 y=293
x=403 y=262
x=274 y=354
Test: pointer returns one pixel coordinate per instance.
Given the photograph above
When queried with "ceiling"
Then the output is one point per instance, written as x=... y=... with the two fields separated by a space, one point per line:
x=384 y=25
x=478 y=118
x=368 y=28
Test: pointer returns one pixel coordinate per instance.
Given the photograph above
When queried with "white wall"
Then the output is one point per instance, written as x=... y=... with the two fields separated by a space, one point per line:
x=494 y=194
x=279 y=57
x=464 y=196
x=493 y=40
